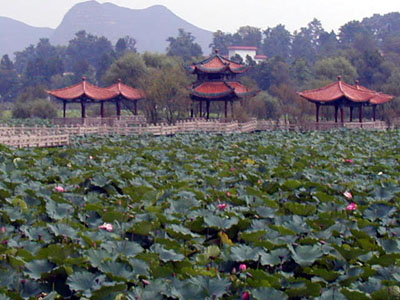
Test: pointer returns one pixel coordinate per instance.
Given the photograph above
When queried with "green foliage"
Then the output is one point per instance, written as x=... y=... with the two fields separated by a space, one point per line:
x=183 y=46
x=38 y=108
x=285 y=217
x=331 y=68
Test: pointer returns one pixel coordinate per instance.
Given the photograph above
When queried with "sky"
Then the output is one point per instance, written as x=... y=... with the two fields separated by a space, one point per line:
x=225 y=15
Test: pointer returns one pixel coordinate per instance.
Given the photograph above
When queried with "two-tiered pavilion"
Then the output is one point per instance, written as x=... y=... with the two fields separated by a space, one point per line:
x=340 y=95
x=86 y=93
x=217 y=81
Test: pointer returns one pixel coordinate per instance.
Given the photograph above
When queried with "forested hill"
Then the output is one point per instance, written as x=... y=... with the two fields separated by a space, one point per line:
x=150 y=27
x=15 y=35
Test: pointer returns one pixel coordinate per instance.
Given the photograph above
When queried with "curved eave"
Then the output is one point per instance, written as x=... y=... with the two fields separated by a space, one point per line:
x=247 y=94
x=381 y=99
x=212 y=95
x=211 y=70
x=239 y=70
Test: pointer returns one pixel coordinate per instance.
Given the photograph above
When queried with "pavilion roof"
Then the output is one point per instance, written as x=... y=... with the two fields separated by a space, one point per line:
x=379 y=98
x=83 y=89
x=126 y=91
x=218 y=90
x=217 y=64
x=340 y=89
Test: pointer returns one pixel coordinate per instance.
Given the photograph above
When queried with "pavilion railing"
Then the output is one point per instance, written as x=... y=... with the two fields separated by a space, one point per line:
x=111 y=121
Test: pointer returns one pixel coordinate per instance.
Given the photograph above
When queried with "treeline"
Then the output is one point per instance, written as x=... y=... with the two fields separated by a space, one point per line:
x=368 y=51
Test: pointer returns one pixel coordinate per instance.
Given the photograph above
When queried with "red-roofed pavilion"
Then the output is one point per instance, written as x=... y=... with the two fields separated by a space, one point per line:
x=85 y=92
x=216 y=81
x=340 y=94
x=125 y=92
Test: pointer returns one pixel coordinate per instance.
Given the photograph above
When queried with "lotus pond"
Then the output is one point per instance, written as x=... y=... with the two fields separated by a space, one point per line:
x=273 y=215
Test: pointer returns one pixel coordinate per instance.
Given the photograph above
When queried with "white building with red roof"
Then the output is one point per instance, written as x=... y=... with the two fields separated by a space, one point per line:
x=244 y=51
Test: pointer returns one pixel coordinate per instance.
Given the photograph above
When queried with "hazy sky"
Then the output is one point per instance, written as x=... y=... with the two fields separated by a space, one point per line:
x=226 y=15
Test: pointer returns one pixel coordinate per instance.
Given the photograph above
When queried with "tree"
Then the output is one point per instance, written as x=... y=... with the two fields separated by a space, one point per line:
x=183 y=46
x=39 y=63
x=306 y=42
x=166 y=88
x=130 y=68
x=277 y=42
x=126 y=44
x=221 y=41
x=330 y=68
x=8 y=79
x=88 y=50
x=249 y=36
x=354 y=35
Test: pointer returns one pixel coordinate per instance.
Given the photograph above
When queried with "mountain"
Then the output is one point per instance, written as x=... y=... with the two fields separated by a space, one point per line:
x=16 y=36
x=150 y=27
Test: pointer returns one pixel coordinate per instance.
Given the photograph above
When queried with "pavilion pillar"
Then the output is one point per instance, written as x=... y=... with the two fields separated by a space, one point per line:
x=64 y=108
x=118 y=104
x=351 y=113
x=208 y=109
x=336 y=113
x=102 y=109
x=374 y=112
x=317 y=112
x=201 y=108
x=226 y=109
x=135 y=107
x=360 y=113
x=341 y=115
x=232 y=110
x=83 y=109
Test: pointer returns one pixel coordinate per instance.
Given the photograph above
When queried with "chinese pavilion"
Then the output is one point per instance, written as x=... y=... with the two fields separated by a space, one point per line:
x=340 y=94
x=86 y=93
x=125 y=92
x=216 y=81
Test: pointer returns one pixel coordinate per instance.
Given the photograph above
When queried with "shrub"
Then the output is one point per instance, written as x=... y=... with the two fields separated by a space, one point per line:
x=39 y=108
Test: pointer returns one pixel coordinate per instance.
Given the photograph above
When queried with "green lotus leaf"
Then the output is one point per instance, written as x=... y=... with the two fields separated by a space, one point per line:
x=139 y=267
x=306 y=255
x=98 y=256
x=85 y=282
x=167 y=255
x=63 y=230
x=4 y=297
x=209 y=287
x=220 y=222
x=379 y=211
x=58 y=211
x=117 y=271
x=268 y=294
x=390 y=245
x=125 y=248
x=183 y=231
x=332 y=294
x=36 y=268
x=242 y=253
x=100 y=181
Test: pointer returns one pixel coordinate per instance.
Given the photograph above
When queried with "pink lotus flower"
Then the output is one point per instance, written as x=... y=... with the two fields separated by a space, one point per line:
x=352 y=206
x=145 y=282
x=232 y=169
x=245 y=296
x=3 y=229
x=349 y=161
x=106 y=226
x=228 y=194
x=222 y=206
x=348 y=195
x=60 y=189
x=242 y=267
